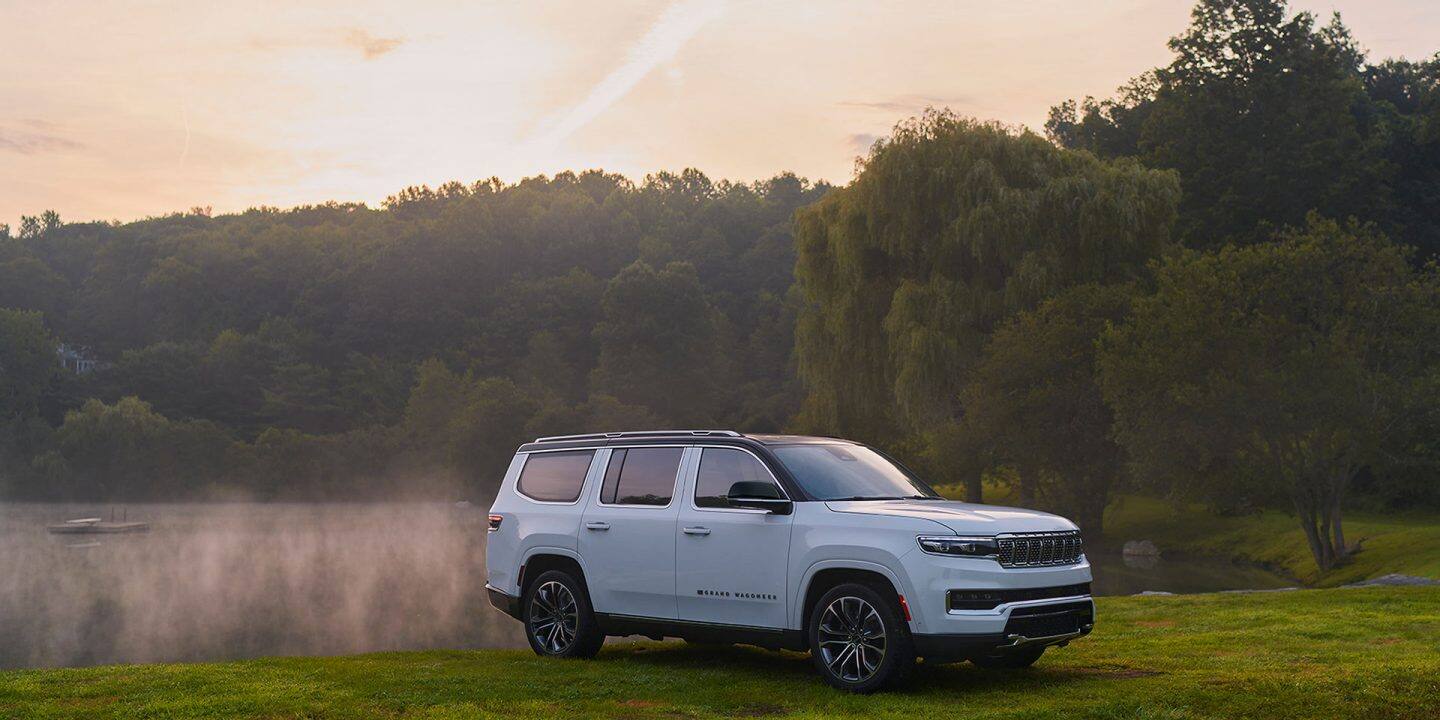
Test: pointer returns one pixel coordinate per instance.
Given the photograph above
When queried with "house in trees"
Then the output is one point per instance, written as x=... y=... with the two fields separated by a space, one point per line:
x=77 y=358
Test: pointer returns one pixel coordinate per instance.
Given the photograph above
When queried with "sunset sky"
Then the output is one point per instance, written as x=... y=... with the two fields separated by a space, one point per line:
x=118 y=110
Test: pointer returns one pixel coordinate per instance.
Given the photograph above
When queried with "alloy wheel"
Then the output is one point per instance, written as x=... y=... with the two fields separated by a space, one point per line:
x=852 y=639
x=554 y=617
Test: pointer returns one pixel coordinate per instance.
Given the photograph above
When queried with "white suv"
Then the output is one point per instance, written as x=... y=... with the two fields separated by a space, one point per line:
x=801 y=543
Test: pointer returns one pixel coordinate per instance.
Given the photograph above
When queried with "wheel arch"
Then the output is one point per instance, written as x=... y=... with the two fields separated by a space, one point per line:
x=543 y=559
x=819 y=578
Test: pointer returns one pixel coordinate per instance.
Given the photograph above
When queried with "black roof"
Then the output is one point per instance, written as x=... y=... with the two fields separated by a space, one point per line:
x=652 y=436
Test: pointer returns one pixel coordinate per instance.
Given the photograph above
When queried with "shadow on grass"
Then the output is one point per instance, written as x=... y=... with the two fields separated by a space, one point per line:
x=927 y=679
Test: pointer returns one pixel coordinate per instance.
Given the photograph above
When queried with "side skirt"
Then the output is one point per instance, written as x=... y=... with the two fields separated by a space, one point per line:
x=659 y=628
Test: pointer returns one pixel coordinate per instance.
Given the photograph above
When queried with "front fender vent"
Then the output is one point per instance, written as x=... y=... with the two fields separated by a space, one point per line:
x=1040 y=549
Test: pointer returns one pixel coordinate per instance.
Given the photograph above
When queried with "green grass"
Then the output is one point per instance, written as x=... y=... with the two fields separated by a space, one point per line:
x=1369 y=653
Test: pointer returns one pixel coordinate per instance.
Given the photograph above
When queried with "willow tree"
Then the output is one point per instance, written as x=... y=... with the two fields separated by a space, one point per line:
x=1279 y=372
x=951 y=226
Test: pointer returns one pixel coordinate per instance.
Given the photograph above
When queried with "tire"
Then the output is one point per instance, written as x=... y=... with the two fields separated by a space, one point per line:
x=1013 y=660
x=558 y=619
x=848 y=626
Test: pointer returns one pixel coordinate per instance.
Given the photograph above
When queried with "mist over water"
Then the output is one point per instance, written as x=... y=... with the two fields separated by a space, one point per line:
x=220 y=581
x=235 y=580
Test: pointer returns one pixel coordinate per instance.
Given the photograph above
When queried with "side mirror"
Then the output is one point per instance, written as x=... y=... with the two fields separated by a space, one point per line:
x=759 y=496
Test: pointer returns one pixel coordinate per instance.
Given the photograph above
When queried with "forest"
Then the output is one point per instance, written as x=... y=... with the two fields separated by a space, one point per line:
x=1218 y=284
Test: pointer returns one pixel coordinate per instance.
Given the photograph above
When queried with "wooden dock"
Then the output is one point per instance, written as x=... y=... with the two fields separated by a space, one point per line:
x=96 y=526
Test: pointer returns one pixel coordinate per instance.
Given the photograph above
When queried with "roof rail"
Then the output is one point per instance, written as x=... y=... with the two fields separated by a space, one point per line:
x=639 y=433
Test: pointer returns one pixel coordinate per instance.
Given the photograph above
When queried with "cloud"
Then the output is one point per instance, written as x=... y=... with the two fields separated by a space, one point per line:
x=911 y=104
x=32 y=143
x=371 y=47
x=666 y=36
x=861 y=142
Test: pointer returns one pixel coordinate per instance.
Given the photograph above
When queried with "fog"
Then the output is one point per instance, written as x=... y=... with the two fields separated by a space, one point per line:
x=219 y=581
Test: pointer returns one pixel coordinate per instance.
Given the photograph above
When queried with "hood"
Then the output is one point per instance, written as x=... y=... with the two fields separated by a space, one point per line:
x=961 y=518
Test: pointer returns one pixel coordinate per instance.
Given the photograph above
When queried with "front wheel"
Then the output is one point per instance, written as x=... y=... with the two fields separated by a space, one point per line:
x=558 y=619
x=858 y=639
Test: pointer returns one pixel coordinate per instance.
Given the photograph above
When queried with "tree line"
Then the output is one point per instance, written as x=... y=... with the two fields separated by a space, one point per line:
x=1217 y=285
x=343 y=350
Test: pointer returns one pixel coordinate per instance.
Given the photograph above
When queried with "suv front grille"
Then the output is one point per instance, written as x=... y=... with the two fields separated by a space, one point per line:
x=1039 y=549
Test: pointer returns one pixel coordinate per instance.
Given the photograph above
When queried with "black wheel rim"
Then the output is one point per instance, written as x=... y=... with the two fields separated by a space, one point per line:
x=852 y=639
x=554 y=617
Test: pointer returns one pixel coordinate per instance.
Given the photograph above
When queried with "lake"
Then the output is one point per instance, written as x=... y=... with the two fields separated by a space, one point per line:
x=235 y=580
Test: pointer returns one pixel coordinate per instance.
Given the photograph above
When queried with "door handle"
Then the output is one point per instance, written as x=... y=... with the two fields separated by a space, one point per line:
x=597 y=526
x=696 y=531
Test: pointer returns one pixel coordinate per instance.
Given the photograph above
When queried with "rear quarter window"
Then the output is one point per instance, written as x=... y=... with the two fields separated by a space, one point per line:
x=554 y=476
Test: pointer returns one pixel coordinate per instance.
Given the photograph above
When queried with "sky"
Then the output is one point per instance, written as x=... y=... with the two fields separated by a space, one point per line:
x=125 y=109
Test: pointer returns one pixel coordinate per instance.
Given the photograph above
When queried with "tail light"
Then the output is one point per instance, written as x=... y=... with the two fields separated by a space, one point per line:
x=495 y=521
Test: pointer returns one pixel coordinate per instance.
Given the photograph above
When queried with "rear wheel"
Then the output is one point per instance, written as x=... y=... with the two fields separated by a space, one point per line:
x=558 y=619
x=858 y=639
x=1013 y=660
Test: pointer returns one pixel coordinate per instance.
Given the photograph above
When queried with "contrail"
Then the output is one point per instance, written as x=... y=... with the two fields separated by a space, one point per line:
x=661 y=42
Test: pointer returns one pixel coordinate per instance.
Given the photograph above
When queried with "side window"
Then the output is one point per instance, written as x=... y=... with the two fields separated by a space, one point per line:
x=641 y=476
x=722 y=467
x=554 y=476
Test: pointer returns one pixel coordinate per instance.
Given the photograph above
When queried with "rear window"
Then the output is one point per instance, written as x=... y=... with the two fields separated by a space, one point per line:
x=554 y=476
x=641 y=476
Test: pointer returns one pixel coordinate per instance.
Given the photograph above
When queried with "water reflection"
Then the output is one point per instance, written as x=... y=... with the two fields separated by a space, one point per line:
x=1117 y=574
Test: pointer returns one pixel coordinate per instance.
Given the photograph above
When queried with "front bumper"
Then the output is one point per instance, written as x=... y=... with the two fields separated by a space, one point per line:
x=504 y=602
x=1029 y=627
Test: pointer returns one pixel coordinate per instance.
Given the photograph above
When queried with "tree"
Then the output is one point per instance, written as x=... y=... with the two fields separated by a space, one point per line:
x=951 y=227
x=127 y=451
x=1407 y=98
x=1278 y=370
x=29 y=227
x=26 y=281
x=658 y=343
x=1266 y=116
x=27 y=362
x=1035 y=399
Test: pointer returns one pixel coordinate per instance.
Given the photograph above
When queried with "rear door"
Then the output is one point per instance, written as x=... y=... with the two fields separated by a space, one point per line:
x=627 y=533
x=730 y=562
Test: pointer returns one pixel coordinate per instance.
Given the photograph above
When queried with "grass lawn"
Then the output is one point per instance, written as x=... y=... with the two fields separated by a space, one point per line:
x=1361 y=653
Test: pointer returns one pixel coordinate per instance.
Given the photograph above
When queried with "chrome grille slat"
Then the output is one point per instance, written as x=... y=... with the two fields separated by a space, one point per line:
x=1039 y=549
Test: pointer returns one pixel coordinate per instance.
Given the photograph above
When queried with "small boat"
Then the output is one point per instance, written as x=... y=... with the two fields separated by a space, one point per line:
x=96 y=526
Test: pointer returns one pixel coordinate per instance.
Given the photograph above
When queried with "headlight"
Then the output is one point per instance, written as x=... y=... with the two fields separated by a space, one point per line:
x=958 y=546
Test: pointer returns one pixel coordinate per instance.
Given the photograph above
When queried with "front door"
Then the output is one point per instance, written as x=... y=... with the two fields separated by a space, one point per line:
x=730 y=562
x=627 y=534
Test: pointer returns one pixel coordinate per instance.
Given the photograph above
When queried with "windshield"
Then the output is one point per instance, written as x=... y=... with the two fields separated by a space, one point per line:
x=849 y=472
